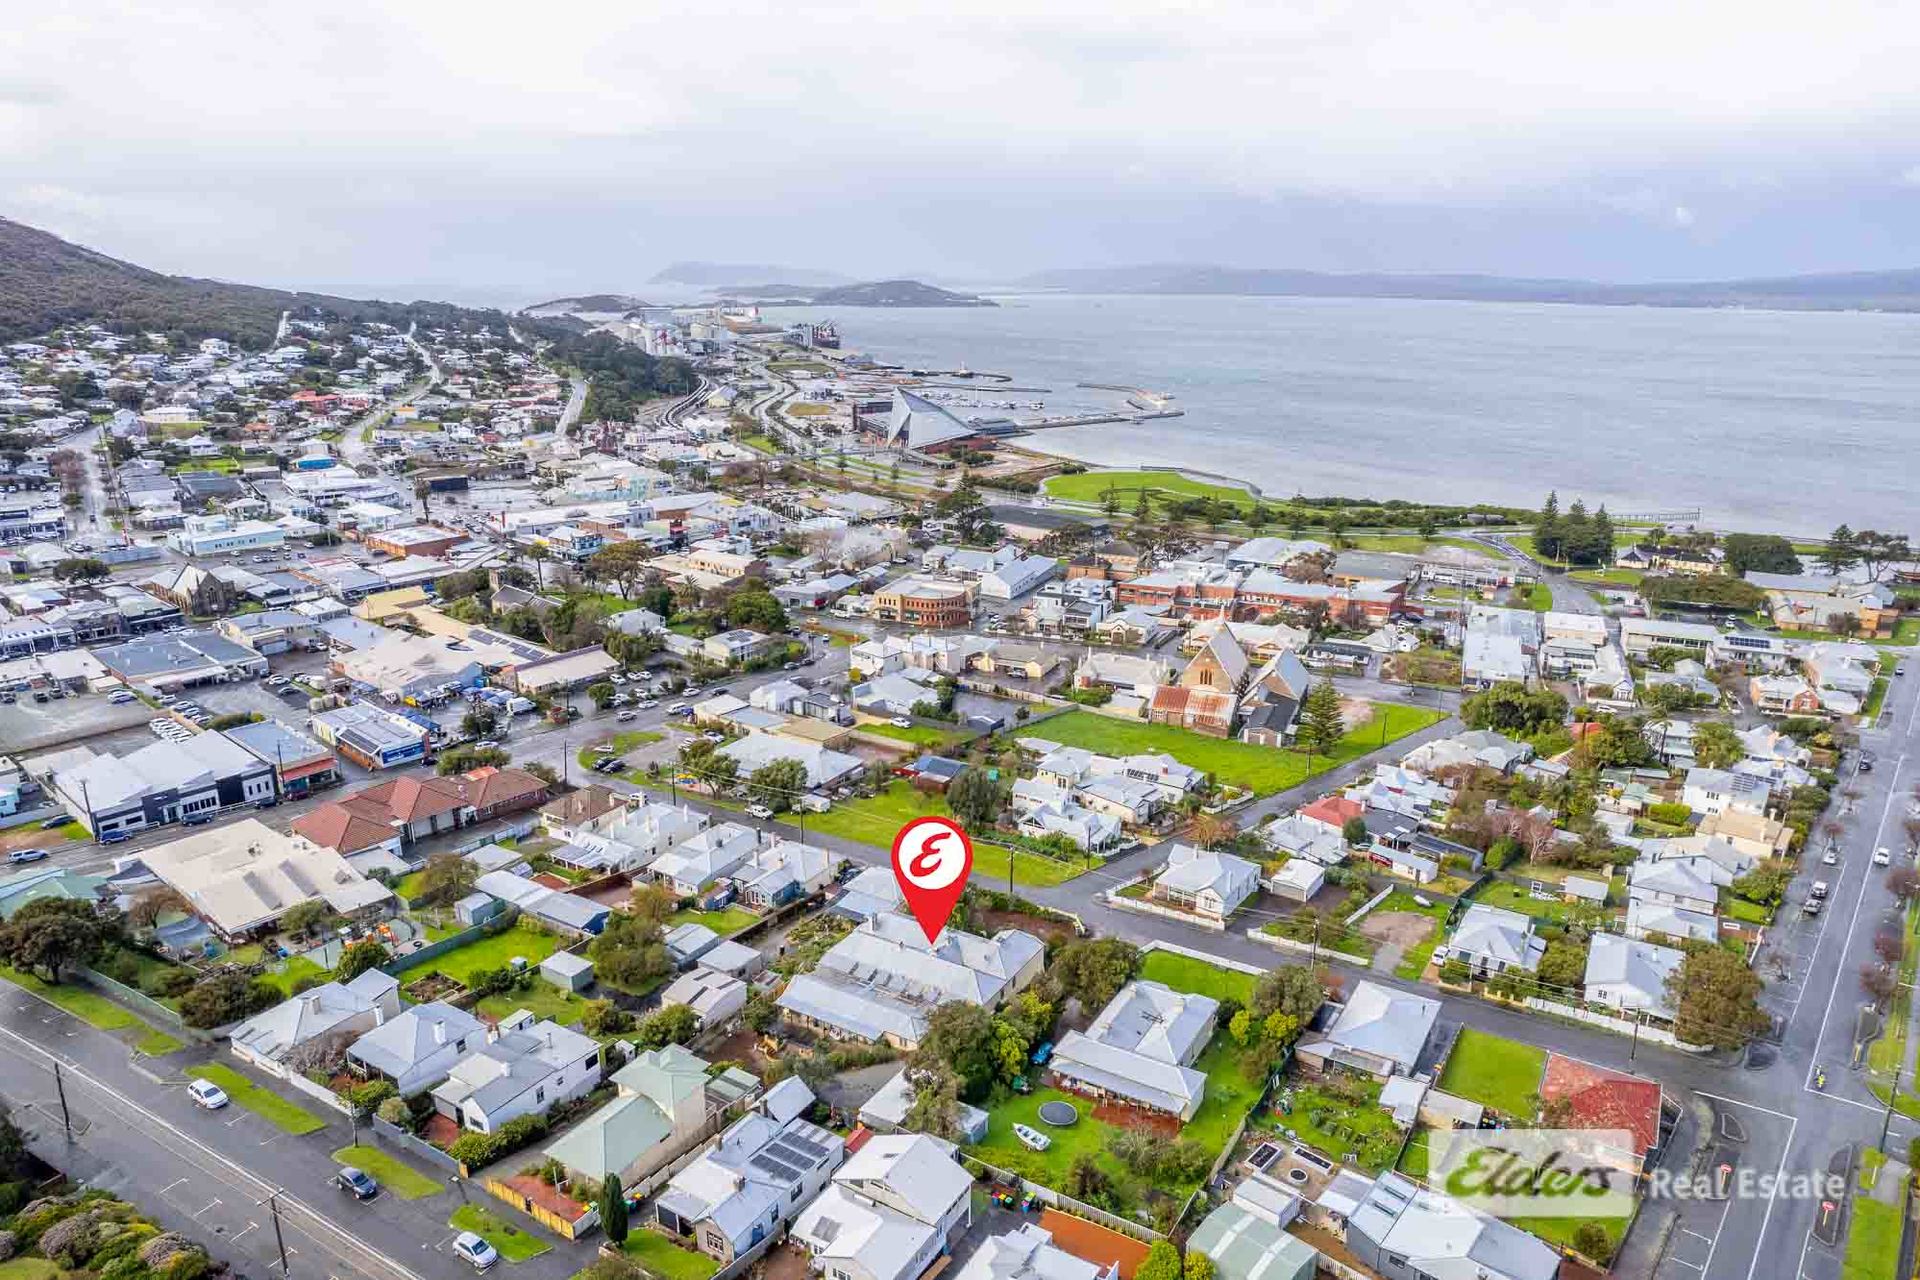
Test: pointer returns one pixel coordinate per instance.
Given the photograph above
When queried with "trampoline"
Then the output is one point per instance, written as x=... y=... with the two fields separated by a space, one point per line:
x=1059 y=1114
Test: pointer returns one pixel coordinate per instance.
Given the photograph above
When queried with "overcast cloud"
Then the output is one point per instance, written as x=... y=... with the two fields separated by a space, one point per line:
x=503 y=152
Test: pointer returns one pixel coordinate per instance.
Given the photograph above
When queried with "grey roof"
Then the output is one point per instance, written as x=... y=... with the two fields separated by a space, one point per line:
x=404 y=1041
x=1384 y=1023
x=1140 y=1045
x=312 y=1013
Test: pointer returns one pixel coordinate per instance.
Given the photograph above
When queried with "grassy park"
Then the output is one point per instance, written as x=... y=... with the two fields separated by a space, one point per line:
x=514 y=1243
x=391 y=1172
x=1262 y=770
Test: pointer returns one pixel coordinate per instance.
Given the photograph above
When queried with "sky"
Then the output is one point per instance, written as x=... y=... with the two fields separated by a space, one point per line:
x=503 y=154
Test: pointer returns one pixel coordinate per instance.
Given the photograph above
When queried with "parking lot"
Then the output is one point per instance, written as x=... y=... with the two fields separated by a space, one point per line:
x=27 y=726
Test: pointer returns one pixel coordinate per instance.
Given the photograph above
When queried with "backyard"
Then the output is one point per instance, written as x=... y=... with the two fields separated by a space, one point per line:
x=875 y=821
x=494 y=951
x=1400 y=906
x=1262 y=770
x=1342 y=1122
x=666 y=1259
x=1496 y=1072
x=726 y=922
x=1517 y=897
x=1184 y=973
x=920 y=735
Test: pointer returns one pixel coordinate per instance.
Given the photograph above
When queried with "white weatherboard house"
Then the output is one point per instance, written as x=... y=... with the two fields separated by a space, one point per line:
x=750 y=1182
x=891 y=1209
x=528 y=1068
x=1141 y=1049
x=1379 y=1031
x=1206 y=882
x=882 y=980
x=1631 y=976
x=1494 y=940
x=271 y=1039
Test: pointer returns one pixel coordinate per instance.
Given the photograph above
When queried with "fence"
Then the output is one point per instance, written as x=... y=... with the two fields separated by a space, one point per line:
x=400 y=1140
x=1061 y=1200
x=1621 y=1026
x=318 y=1092
x=1238 y=966
x=1369 y=905
x=1308 y=949
x=144 y=1005
x=1145 y=908
x=453 y=942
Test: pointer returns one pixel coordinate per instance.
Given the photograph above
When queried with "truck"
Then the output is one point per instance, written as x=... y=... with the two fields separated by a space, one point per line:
x=519 y=706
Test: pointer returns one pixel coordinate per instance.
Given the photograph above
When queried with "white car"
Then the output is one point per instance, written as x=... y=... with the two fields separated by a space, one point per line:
x=206 y=1094
x=759 y=811
x=1832 y=859
x=469 y=1247
x=901 y=722
x=647 y=704
x=1882 y=857
x=617 y=678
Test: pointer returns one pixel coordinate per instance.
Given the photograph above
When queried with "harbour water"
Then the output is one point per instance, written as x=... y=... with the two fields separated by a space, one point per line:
x=1774 y=420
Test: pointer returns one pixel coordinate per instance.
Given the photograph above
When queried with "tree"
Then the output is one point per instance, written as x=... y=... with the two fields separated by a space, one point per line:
x=1161 y=1263
x=1546 y=528
x=960 y=1035
x=1876 y=551
x=1716 y=745
x=368 y=953
x=466 y=759
x=1291 y=989
x=613 y=1208
x=307 y=917
x=227 y=997
x=629 y=953
x=1564 y=964
x=80 y=569
x=975 y=798
x=1354 y=832
x=1511 y=708
x=447 y=878
x=479 y=723
x=1092 y=970
x=603 y=693
x=1321 y=724
x=778 y=784
x=1759 y=553
x=935 y=1108
x=48 y=935
x=145 y=911
x=624 y=564
x=1839 y=555
x=675 y=1024
x=1198 y=1266
x=1716 y=999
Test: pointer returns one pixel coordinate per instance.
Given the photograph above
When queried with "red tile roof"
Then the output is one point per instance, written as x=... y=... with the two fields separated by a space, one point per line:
x=1603 y=1099
x=1333 y=810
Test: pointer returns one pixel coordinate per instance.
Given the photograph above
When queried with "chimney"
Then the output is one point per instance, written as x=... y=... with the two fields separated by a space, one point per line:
x=439 y=1033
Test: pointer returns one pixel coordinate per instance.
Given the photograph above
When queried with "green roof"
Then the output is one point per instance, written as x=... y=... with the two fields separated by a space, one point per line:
x=611 y=1138
x=33 y=884
x=1246 y=1247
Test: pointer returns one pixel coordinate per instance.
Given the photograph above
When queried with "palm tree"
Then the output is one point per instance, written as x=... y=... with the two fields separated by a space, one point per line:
x=539 y=553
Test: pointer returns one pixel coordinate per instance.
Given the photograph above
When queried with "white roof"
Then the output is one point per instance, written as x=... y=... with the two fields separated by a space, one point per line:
x=1497 y=934
x=1383 y=1023
x=1028 y=1253
x=1140 y=1045
x=246 y=874
x=1638 y=969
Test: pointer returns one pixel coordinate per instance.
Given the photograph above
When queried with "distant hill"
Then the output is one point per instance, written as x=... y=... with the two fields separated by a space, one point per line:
x=1861 y=290
x=46 y=282
x=725 y=274
x=877 y=293
x=587 y=305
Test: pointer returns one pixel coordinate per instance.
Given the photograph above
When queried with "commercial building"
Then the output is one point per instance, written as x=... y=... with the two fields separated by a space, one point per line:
x=223 y=535
x=372 y=737
x=185 y=661
x=300 y=765
x=921 y=601
x=158 y=784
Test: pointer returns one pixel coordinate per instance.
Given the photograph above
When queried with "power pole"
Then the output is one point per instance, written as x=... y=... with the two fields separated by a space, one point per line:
x=60 y=1086
x=273 y=1207
x=1886 y=1118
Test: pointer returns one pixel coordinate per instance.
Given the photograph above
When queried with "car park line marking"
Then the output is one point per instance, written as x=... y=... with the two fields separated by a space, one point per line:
x=1695 y=1234
x=171 y=1185
x=210 y=1208
x=251 y=1226
x=1751 y=1106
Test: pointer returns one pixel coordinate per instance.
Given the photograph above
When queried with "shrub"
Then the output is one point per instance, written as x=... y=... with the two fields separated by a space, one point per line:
x=173 y=982
x=372 y=1094
x=1671 y=814
x=395 y=1111
x=475 y=1149
x=1590 y=1238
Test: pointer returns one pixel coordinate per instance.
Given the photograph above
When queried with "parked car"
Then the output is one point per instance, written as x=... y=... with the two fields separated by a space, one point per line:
x=1832 y=857
x=356 y=1183
x=901 y=722
x=26 y=855
x=206 y=1094
x=120 y=698
x=470 y=1248
x=1882 y=857
x=759 y=811
x=626 y=717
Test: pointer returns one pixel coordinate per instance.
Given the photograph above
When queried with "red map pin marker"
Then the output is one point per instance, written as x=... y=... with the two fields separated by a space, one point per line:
x=931 y=860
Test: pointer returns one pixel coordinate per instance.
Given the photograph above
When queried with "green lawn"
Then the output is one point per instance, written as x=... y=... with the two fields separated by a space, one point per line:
x=83 y=1003
x=1560 y=1232
x=920 y=735
x=1873 y=1240
x=72 y=831
x=1184 y=973
x=392 y=1173
x=514 y=1244
x=1495 y=1072
x=495 y=951
x=1413 y=1157
x=291 y=971
x=157 y=1044
x=267 y=1105
x=621 y=744
x=1337 y=1128
x=407 y=887
x=1740 y=909
x=1411 y=543
x=665 y=1258
x=1627 y=578
x=877 y=820
x=1262 y=770
x=1091 y=486
x=725 y=922
x=1876 y=697
x=542 y=1000
x=1413 y=961
x=1231 y=1093
x=1505 y=893
x=765 y=444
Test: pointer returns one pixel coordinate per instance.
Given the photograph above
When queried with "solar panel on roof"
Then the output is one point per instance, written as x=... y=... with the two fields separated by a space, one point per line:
x=767 y=1164
x=814 y=1150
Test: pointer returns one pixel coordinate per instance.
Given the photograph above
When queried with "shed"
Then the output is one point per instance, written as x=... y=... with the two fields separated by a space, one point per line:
x=477 y=908
x=688 y=942
x=567 y=971
x=738 y=959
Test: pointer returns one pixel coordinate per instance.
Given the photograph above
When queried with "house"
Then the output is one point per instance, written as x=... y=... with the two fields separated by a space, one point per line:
x=588 y=811
x=886 y=1111
x=1783 y=695
x=1140 y=1050
x=1042 y=810
x=1495 y=940
x=1597 y=1098
x=1688 y=881
x=527 y=1068
x=824 y=767
x=417 y=1047
x=1206 y=882
x=387 y=815
x=1300 y=837
x=242 y=877
x=1650 y=918
x=704 y=857
x=1402 y=1231
x=782 y=872
x=567 y=912
x=882 y=980
x=1379 y=1031
x=1711 y=791
x=1631 y=975
x=45 y=881
x=1481 y=747
x=1640 y=636
x=1297 y=880
x=713 y=995
x=669 y=1100
x=1246 y=1238
x=900 y=1201
x=874 y=891
x=1100 y=668
x=1753 y=834
x=749 y=1183
x=271 y=1040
